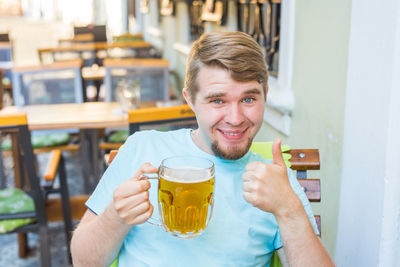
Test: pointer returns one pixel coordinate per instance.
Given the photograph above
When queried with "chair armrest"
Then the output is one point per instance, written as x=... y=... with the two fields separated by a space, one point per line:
x=108 y=158
x=52 y=166
x=305 y=159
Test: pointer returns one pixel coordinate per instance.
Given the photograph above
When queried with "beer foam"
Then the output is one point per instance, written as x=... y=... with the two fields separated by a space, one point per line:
x=186 y=175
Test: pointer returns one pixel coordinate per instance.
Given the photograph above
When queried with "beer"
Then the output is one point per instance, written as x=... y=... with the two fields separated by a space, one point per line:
x=185 y=195
x=186 y=198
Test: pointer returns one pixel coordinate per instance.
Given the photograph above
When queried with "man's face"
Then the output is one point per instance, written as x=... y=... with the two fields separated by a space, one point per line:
x=229 y=113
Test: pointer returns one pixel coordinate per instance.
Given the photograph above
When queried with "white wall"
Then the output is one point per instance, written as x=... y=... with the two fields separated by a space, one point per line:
x=369 y=213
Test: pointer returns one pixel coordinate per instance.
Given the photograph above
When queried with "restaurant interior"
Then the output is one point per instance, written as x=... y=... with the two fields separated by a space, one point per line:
x=77 y=77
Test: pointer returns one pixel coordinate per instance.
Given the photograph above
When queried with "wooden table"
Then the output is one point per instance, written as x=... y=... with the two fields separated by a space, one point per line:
x=91 y=115
x=92 y=48
x=88 y=117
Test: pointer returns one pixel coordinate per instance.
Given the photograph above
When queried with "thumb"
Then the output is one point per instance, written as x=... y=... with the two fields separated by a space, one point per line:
x=277 y=153
x=145 y=168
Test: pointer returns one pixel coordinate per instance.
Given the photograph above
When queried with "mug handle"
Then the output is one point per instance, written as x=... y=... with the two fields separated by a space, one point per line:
x=151 y=220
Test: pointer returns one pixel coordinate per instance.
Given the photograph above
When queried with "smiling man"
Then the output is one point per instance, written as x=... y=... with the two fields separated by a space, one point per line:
x=259 y=205
x=229 y=113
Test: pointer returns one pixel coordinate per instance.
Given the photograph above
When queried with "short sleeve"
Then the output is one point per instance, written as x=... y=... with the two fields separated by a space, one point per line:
x=113 y=176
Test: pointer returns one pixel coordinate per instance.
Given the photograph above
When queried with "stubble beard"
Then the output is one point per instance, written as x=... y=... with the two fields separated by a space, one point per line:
x=231 y=153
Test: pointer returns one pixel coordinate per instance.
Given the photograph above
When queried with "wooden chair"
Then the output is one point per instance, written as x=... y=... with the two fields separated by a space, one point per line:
x=6 y=51
x=56 y=83
x=152 y=74
x=161 y=118
x=28 y=181
x=99 y=32
x=59 y=82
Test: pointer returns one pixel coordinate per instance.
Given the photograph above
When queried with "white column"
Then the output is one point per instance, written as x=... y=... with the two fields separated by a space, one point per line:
x=369 y=213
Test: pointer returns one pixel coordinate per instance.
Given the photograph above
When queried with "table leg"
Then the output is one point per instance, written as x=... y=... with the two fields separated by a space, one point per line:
x=94 y=137
x=3 y=181
x=84 y=155
x=18 y=176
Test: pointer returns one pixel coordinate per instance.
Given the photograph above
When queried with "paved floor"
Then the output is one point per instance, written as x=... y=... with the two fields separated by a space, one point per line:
x=27 y=36
x=8 y=243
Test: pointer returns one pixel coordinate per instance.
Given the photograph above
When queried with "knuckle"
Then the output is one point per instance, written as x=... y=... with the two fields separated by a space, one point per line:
x=255 y=200
x=146 y=205
x=143 y=185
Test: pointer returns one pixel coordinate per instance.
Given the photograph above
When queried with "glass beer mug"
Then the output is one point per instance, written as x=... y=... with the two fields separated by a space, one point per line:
x=185 y=195
x=128 y=94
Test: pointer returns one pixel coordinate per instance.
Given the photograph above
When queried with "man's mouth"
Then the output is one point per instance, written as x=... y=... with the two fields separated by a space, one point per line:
x=233 y=135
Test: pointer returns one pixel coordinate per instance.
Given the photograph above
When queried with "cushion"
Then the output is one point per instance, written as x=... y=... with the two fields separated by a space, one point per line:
x=13 y=200
x=265 y=150
x=38 y=141
x=119 y=136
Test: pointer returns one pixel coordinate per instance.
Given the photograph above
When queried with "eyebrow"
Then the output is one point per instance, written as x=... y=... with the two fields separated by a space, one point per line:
x=215 y=95
x=248 y=92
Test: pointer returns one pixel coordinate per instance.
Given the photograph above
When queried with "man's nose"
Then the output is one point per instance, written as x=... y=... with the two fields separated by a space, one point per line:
x=234 y=115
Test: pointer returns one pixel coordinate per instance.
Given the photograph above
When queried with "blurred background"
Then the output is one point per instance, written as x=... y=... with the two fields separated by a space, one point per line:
x=334 y=85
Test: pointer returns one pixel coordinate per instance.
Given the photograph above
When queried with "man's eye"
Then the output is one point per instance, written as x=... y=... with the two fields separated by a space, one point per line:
x=216 y=101
x=248 y=100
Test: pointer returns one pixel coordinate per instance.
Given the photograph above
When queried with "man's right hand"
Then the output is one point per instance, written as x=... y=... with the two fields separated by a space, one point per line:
x=131 y=198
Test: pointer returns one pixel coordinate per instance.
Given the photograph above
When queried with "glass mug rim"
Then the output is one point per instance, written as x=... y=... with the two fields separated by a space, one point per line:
x=210 y=168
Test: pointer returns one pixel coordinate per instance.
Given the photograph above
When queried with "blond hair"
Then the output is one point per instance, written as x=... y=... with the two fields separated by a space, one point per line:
x=235 y=52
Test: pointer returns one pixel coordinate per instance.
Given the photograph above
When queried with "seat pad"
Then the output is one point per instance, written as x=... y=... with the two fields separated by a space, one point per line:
x=14 y=200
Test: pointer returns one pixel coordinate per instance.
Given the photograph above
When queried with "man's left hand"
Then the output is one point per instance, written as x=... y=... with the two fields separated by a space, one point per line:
x=266 y=186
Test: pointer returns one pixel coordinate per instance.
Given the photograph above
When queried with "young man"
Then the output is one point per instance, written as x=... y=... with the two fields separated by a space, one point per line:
x=226 y=86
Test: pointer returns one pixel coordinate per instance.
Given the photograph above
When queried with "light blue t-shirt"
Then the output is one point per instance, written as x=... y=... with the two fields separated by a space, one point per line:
x=238 y=233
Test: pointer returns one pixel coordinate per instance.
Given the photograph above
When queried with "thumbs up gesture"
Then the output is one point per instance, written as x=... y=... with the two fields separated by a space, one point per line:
x=266 y=186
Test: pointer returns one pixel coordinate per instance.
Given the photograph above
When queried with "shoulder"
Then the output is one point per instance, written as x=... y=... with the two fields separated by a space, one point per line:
x=152 y=139
x=154 y=135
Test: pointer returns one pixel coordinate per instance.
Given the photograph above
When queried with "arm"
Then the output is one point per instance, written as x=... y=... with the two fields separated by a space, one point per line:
x=98 y=238
x=267 y=187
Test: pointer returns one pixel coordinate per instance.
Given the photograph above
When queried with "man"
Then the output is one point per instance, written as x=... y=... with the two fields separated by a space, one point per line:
x=226 y=86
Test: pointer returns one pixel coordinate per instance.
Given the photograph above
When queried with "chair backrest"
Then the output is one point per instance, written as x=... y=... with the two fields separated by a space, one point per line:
x=99 y=32
x=151 y=73
x=17 y=125
x=1 y=97
x=6 y=51
x=59 y=82
x=174 y=117
x=4 y=37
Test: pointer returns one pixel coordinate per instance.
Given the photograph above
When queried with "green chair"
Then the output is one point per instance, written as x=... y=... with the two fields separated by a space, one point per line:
x=24 y=208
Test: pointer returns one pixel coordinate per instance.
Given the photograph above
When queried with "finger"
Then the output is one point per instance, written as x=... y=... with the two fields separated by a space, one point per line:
x=277 y=153
x=141 y=209
x=248 y=176
x=132 y=201
x=253 y=166
x=145 y=216
x=130 y=188
x=145 y=168
x=247 y=187
x=249 y=197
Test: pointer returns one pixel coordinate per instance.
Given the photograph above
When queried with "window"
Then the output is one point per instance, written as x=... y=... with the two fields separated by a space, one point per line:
x=271 y=23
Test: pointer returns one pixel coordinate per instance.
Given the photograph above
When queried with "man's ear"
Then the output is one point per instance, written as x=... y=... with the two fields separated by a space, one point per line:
x=187 y=98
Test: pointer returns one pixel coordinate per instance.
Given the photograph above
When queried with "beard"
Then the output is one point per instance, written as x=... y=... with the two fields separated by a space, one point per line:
x=232 y=152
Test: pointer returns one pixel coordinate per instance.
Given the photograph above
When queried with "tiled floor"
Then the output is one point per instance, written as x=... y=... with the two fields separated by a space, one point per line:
x=27 y=36
x=8 y=243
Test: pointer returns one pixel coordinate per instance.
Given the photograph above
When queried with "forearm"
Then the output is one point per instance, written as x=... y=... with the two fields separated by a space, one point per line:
x=302 y=246
x=97 y=242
